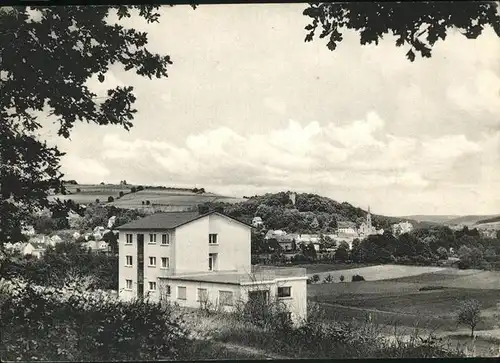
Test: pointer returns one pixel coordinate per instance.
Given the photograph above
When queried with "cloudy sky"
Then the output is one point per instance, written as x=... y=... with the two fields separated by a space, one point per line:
x=249 y=108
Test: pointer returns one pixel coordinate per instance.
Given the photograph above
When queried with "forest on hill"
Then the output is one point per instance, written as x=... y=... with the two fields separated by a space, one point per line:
x=311 y=213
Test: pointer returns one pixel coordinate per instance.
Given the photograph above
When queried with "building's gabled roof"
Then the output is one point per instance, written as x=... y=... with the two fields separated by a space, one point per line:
x=169 y=220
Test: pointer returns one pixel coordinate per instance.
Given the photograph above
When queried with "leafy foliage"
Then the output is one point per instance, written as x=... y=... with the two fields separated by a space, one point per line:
x=310 y=214
x=48 y=55
x=419 y=25
x=469 y=314
x=61 y=324
x=319 y=338
x=65 y=258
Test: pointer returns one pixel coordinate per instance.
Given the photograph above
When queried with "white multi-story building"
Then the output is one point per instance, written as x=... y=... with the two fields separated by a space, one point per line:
x=401 y=228
x=193 y=259
x=257 y=221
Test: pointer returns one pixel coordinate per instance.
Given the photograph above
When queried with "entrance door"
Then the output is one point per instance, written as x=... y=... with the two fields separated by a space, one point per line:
x=140 y=266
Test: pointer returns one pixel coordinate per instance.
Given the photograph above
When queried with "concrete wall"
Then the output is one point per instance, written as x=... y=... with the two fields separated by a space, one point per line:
x=187 y=251
x=233 y=247
x=125 y=272
x=192 y=292
x=296 y=303
x=234 y=243
x=191 y=248
x=150 y=273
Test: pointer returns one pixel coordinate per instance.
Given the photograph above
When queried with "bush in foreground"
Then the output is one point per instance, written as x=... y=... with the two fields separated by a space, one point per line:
x=316 y=338
x=40 y=323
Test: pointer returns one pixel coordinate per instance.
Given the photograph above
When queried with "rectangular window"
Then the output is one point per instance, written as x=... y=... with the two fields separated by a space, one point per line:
x=128 y=237
x=152 y=286
x=284 y=291
x=152 y=238
x=202 y=295
x=165 y=239
x=226 y=298
x=212 y=238
x=152 y=261
x=165 y=262
x=128 y=284
x=128 y=261
x=168 y=290
x=181 y=292
x=211 y=261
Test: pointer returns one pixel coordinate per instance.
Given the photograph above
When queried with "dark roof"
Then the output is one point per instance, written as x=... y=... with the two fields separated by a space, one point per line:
x=169 y=220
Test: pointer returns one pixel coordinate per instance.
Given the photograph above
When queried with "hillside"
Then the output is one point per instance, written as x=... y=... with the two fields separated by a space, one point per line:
x=134 y=197
x=489 y=220
x=441 y=219
x=311 y=212
x=468 y=220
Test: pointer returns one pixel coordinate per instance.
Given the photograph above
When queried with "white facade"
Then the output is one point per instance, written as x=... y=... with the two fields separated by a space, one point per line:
x=257 y=221
x=211 y=252
x=401 y=228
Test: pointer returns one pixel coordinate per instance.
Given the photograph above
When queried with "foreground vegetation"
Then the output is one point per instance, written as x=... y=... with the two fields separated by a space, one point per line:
x=66 y=261
x=40 y=323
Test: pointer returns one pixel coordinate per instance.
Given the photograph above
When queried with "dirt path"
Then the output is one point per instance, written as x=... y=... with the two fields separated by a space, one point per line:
x=255 y=352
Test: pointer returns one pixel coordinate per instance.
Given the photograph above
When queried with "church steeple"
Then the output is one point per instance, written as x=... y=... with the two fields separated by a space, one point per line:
x=369 y=218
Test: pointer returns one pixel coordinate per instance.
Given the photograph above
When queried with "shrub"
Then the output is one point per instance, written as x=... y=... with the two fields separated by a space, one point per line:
x=356 y=278
x=342 y=278
x=300 y=258
x=97 y=201
x=111 y=199
x=315 y=278
x=120 y=194
x=328 y=279
x=50 y=324
x=133 y=190
x=78 y=190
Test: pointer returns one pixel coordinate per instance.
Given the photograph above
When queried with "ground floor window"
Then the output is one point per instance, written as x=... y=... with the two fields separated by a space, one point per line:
x=202 y=295
x=226 y=298
x=128 y=284
x=152 y=286
x=285 y=291
x=181 y=292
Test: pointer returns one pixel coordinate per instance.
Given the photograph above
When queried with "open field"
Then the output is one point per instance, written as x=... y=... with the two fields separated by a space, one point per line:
x=399 y=301
x=374 y=272
x=318 y=268
x=167 y=199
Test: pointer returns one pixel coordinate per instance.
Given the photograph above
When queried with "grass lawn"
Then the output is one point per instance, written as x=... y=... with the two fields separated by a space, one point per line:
x=318 y=268
x=162 y=197
x=400 y=301
x=374 y=272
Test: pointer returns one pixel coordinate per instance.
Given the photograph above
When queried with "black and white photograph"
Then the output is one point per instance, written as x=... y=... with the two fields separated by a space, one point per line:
x=249 y=181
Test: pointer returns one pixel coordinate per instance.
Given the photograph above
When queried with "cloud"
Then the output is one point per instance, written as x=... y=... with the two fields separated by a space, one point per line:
x=83 y=170
x=477 y=94
x=353 y=156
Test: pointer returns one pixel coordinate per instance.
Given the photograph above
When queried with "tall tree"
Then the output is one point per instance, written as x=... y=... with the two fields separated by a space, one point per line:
x=47 y=54
x=417 y=25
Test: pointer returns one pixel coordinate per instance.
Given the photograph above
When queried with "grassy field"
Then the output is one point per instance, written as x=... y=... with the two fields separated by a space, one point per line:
x=400 y=300
x=318 y=268
x=160 y=199
x=372 y=272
